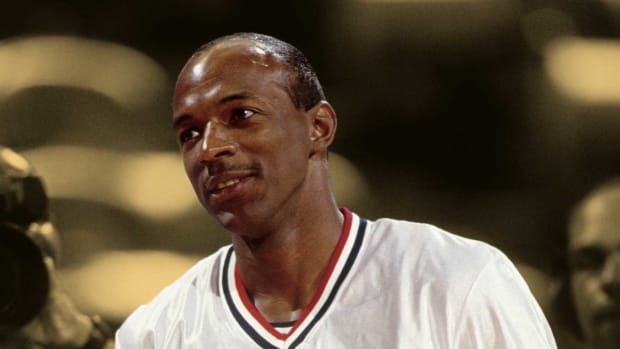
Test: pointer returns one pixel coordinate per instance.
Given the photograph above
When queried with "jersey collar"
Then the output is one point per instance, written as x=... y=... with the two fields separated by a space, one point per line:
x=257 y=327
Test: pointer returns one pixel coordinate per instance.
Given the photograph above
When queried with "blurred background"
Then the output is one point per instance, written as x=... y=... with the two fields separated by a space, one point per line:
x=488 y=118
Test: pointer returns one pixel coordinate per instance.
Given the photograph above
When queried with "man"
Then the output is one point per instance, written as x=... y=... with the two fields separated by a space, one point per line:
x=34 y=310
x=589 y=303
x=254 y=129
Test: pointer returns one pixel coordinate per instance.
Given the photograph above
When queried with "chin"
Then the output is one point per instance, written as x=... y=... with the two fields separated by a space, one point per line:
x=243 y=224
x=232 y=222
x=226 y=219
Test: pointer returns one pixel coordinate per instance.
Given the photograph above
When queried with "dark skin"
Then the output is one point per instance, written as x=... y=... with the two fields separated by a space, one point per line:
x=258 y=165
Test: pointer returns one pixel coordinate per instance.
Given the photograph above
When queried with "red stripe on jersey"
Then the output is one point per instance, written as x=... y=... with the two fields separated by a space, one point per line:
x=348 y=218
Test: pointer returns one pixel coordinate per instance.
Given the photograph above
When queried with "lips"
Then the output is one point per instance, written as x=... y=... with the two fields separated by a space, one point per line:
x=226 y=180
x=227 y=184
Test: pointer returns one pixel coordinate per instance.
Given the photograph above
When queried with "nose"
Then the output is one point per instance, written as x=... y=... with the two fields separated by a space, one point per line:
x=216 y=144
x=610 y=278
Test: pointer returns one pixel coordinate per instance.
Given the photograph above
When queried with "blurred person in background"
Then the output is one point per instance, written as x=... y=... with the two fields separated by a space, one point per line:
x=254 y=130
x=588 y=303
x=35 y=312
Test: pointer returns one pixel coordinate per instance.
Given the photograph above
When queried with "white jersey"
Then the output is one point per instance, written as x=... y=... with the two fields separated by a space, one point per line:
x=389 y=284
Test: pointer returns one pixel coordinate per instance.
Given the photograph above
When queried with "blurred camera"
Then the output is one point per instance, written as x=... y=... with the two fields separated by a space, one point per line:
x=25 y=279
x=26 y=239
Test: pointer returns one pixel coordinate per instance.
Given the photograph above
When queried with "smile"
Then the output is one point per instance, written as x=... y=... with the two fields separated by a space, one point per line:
x=219 y=186
x=228 y=183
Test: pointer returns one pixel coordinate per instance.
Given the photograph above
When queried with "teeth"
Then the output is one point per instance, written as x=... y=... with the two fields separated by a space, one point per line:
x=228 y=183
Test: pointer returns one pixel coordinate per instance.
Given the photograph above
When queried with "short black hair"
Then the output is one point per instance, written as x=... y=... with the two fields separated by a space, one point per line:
x=305 y=88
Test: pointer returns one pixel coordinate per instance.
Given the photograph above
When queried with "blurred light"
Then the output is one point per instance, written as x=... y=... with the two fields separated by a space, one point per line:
x=113 y=284
x=543 y=25
x=421 y=1
x=586 y=70
x=375 y=25
x=121 y=73
x=349 y=185
x=614 y=4
x=152 y=184
x=14 y=160
x=156 y=185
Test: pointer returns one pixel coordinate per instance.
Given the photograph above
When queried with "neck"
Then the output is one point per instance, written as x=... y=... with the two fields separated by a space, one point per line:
x=282 y=270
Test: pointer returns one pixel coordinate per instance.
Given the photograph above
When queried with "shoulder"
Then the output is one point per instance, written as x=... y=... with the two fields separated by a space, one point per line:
x=500 y=311
x=487 y=299
x=438 y=249
x=425 y=257
x=159 y=316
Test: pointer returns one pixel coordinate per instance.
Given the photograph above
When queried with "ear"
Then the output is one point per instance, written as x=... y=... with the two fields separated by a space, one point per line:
x=323 y=126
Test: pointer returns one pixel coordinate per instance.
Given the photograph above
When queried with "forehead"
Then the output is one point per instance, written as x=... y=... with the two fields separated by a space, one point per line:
x=241 y=63
x=600 y=224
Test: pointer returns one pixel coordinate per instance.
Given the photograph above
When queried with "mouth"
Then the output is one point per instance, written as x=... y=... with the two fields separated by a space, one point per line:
x=227 y=181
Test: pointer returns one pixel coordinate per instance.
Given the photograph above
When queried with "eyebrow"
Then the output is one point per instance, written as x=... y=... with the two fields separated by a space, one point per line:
x=234 y=97
x=177 y=121
x=226 y=99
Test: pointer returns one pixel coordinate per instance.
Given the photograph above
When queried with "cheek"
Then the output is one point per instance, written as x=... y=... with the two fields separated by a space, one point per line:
x=291 y=160
x=288 y=153
x=584 y=289
x=192 y=170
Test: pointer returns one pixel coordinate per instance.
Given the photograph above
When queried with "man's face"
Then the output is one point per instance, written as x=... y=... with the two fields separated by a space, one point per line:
x=245 y=145
x=594 y=253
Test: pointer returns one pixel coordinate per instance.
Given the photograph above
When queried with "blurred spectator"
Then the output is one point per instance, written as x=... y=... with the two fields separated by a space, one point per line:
x=588 y=303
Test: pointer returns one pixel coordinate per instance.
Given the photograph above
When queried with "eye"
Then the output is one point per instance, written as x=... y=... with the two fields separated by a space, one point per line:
x=240 y=114
x=590 y=258
x=187 y=135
